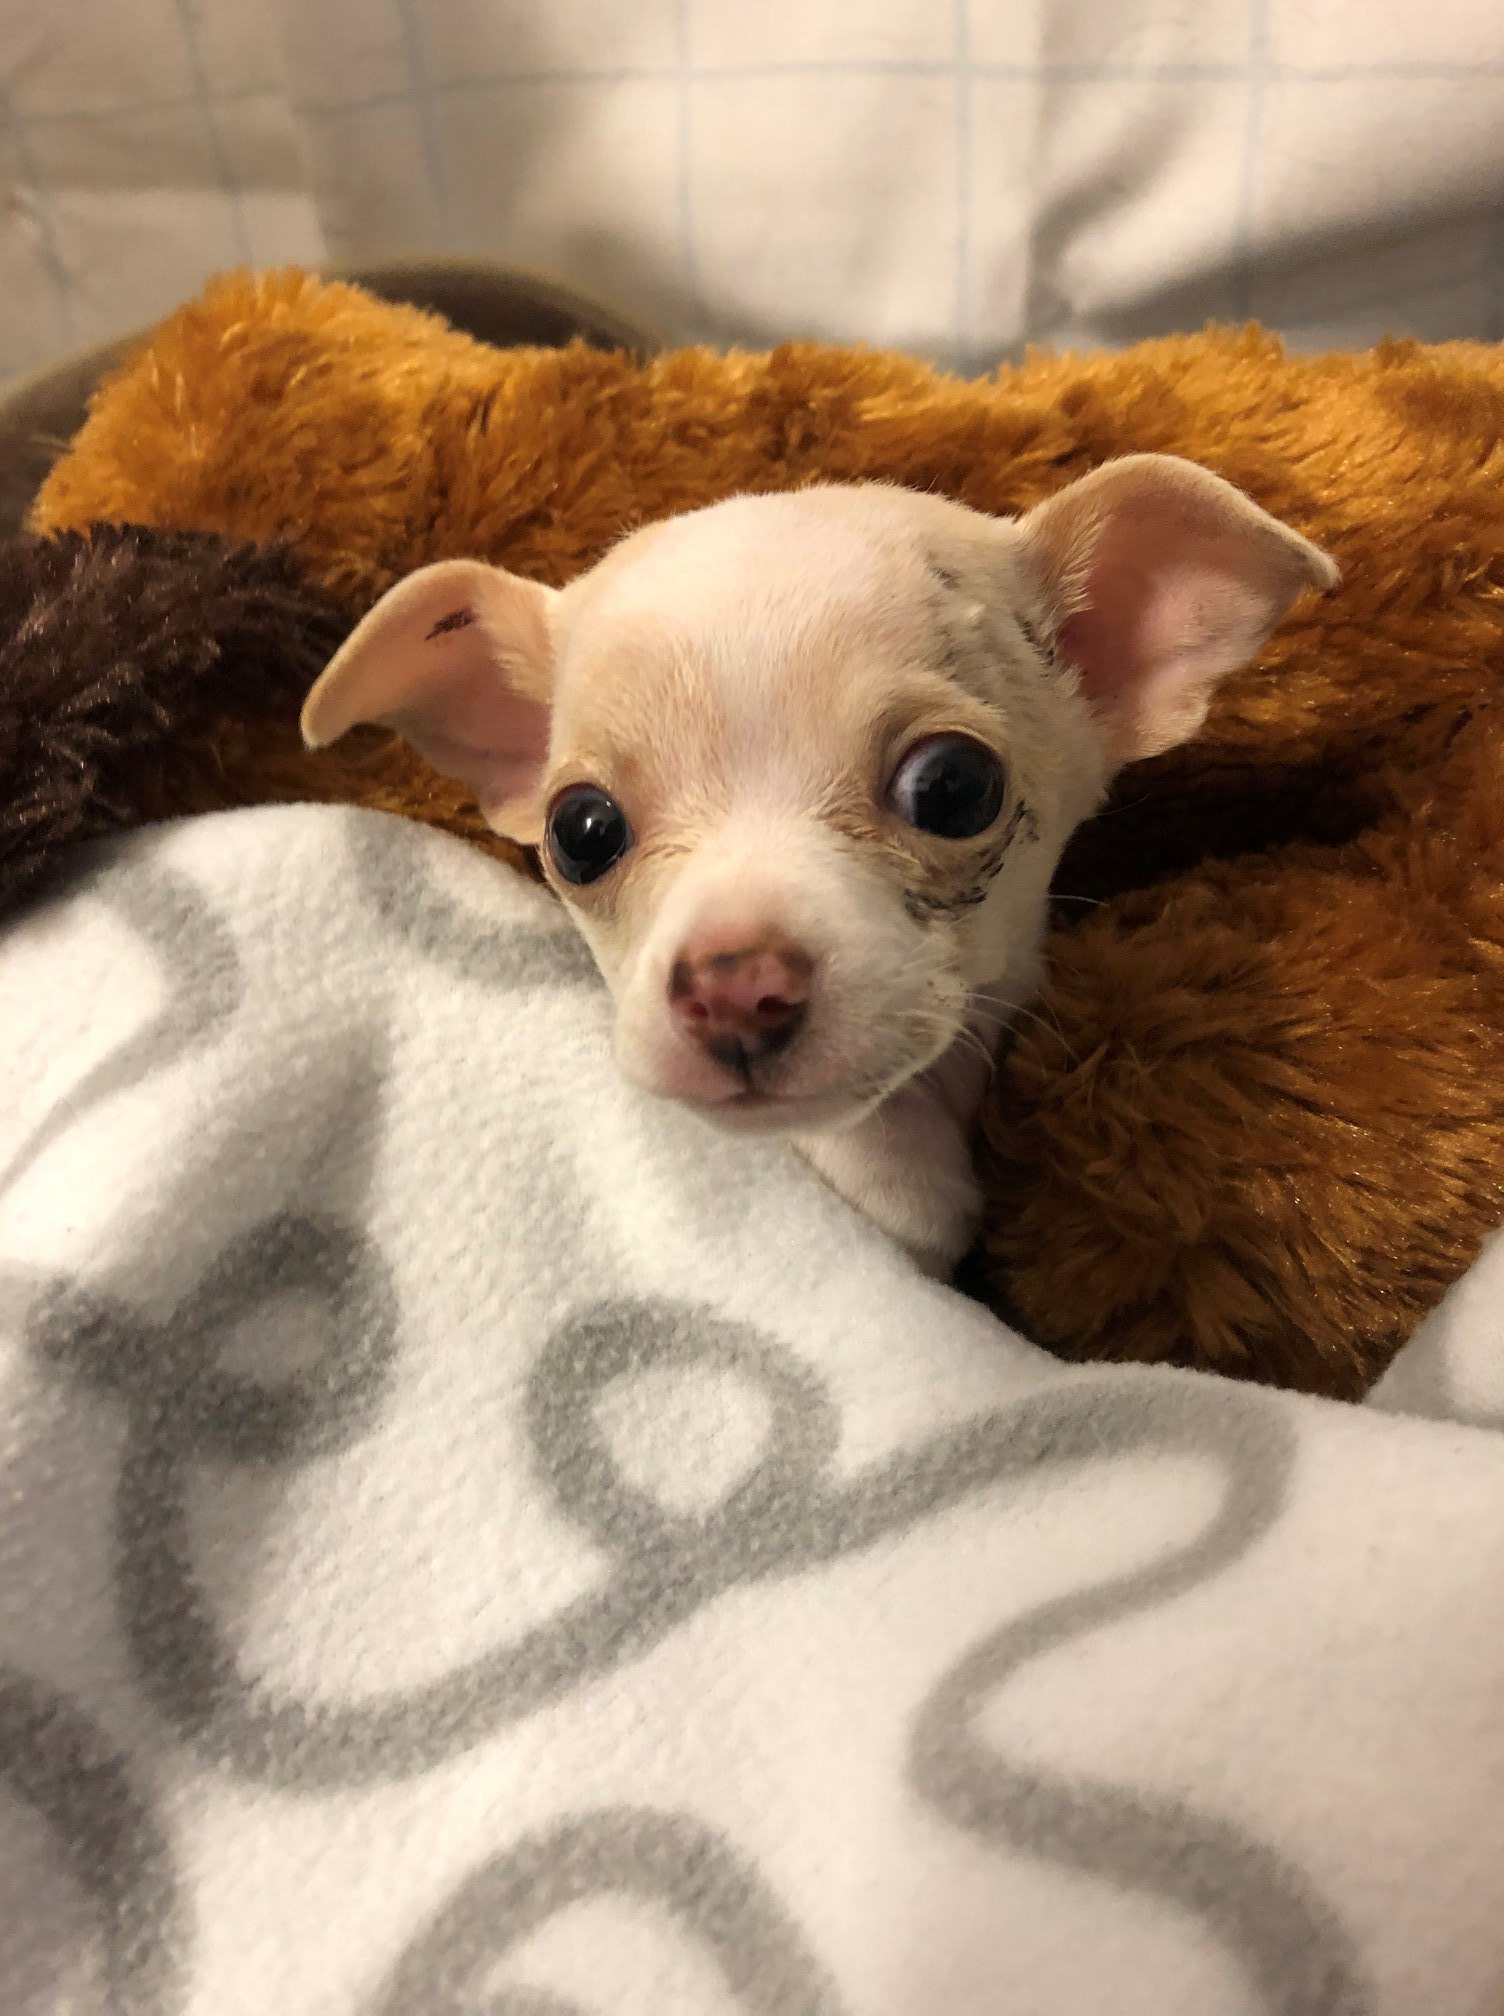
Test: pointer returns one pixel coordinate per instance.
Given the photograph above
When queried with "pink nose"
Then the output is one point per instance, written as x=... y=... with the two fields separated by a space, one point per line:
x=742 y=1002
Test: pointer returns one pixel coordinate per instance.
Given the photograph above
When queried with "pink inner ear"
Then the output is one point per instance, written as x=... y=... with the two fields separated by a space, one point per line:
x=1154 y=640
x=1170 y=583
x=1166 y=579
x=458 y=659
x=474 y=728
x=469 y=719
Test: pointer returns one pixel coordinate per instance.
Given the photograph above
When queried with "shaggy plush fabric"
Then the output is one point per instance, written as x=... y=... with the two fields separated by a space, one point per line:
x=1256 y=1122
x=41 y=413
x=131 y=661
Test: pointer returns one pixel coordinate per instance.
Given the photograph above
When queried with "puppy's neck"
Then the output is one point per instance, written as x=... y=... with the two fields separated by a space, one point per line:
x=907 y=1165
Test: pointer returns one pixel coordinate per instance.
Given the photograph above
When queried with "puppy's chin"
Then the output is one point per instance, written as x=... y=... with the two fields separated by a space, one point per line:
x=753 y=1112
x=773 y=1108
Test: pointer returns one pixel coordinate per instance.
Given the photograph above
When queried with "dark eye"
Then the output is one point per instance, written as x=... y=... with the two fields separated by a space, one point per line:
x=587 y=834
x=950 y=786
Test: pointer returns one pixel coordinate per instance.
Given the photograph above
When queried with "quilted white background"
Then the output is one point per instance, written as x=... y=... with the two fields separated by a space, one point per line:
x=954 y=176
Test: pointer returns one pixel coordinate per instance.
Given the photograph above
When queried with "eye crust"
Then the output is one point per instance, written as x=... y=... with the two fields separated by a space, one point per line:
x=948 y=784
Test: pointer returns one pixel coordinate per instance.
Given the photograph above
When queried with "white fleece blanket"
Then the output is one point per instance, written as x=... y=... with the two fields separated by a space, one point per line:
x=471 y=1540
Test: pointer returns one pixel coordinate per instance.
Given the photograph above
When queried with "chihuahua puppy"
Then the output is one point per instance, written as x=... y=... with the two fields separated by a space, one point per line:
x=801 y=767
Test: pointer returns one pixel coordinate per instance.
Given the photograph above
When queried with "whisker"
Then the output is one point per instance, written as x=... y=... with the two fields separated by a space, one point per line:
x=1016 y=1009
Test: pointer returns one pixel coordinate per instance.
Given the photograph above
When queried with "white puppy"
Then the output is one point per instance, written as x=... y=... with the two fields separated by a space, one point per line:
x=802 y=766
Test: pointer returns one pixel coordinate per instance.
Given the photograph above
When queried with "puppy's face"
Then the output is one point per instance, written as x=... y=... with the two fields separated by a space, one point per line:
x=801 y=766
x=806 y=783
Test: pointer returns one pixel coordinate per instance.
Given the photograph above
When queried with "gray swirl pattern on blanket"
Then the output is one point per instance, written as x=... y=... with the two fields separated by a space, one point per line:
x=790 y=1513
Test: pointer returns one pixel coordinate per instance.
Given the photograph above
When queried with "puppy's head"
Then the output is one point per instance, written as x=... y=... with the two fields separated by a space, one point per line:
x=801 y=766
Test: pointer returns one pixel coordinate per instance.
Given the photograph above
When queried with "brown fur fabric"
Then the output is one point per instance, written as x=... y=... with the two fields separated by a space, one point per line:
x=1257 y=1122
x=130 y=660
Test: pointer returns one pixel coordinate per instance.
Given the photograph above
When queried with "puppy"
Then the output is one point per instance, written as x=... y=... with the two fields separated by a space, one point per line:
x=801 y=767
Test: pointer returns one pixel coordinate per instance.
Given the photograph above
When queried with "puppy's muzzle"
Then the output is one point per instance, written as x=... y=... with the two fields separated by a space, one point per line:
x=741 y=1003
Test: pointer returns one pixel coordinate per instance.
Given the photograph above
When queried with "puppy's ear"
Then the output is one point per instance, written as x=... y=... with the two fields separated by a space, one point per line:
x=459 y=661
x=1157 y=579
